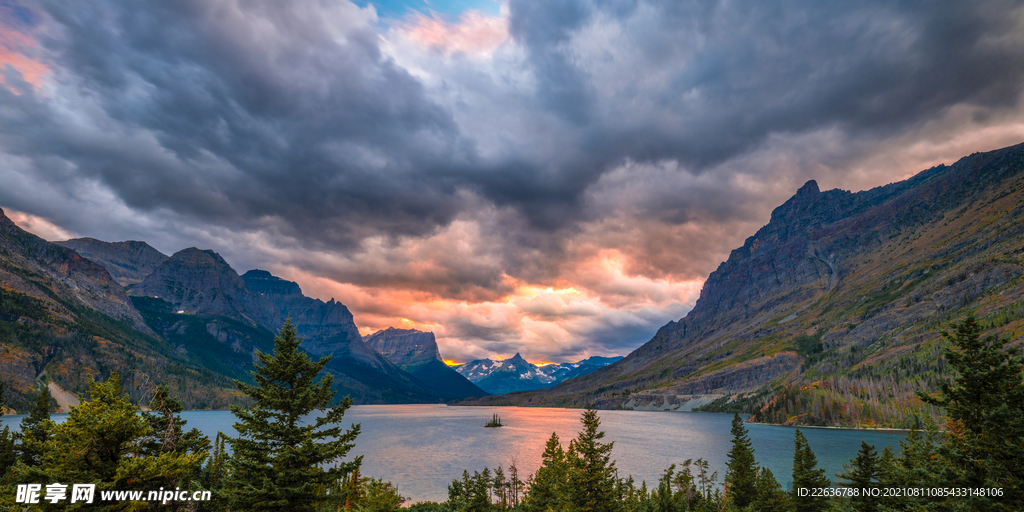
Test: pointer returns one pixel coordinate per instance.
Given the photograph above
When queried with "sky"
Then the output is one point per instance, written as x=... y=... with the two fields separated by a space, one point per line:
x=550 y=177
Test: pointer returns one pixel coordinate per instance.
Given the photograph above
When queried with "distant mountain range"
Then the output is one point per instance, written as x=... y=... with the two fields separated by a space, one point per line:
x=830 y=314
x=188 y=320
x=518 y=374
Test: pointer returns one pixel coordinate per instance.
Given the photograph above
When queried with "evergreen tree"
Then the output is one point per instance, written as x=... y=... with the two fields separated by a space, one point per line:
x=985 y=406
x=741 y=476
x=806 y=475
x=500 y=488
x=548 y=487
x=35 y=428
x=277 y=459
x=103 y=442
x=664 y=500
x=592 y=480
x=770 y=496
x=862 y=474
x=8 y=455
x=379 y=496
x=167 y=436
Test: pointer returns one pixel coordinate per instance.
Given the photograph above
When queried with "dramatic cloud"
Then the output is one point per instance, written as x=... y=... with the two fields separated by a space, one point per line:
x=550 y=177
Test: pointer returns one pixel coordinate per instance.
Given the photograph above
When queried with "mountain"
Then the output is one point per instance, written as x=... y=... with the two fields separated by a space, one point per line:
x=127 y=262
x=518 y=374
x=830 y=314
x=63 y=318
x=565 y=371
x=196 y=281
x=54 y=274
x=416 y=352
x=329 y=329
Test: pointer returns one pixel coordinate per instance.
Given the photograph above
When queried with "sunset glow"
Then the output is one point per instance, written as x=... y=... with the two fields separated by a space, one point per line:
x=509 y=176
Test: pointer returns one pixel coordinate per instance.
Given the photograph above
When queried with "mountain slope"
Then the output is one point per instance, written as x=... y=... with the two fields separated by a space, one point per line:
x=127 y=262
x=329 y=329
x=63 y=318
x=202 y=282
x=828 y=314
x=416 y=352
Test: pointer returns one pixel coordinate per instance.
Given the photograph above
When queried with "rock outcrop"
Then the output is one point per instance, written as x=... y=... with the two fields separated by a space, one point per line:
x=328 y=327
x=127 y=262
x=201 y=282
x=416 y=352
x=59 y=276
x=405 y=346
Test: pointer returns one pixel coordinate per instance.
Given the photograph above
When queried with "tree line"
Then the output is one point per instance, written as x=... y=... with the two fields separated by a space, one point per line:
x=280 y=460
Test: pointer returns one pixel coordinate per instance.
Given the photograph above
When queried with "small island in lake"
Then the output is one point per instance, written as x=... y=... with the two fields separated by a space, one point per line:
x=495 y=422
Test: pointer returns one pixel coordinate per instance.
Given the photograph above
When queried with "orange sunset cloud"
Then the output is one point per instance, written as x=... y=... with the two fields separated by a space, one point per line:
x=12 y=45
x=473 y=33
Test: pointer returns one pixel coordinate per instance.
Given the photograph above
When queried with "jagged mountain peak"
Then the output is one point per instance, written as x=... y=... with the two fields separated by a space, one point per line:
x=837 y=287
x=128 y=262
x=265 y=283
x=63 y=273
x=201 y=281
x=809 y=188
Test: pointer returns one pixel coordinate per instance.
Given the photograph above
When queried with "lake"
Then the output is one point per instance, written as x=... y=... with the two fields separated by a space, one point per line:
x=421 y=448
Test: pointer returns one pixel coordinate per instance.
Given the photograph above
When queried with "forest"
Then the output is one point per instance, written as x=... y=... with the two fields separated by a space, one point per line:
x=973 y=461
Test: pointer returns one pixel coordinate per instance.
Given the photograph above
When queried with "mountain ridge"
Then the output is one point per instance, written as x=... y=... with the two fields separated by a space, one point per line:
x=838 y=293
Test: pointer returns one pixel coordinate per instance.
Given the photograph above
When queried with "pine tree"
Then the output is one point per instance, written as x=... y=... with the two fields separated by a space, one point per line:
x=592 y=480
x=548 y=487
x=665 y=498
x=806 y=475
x=277 y=459
x=862 y=474
x=985 y=405
x=741 y=476
x=167 y=436
x=102 y=441
x=35 y=428
x=770 y=496
x=8 y=455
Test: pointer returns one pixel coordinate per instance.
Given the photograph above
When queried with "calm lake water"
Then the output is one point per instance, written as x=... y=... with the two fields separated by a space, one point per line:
x=421 y=448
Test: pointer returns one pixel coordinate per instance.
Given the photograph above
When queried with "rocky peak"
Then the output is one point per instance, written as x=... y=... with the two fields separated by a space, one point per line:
x=327 y=327
x=201 y=282
x=127 y=262
x=265 y=283
x=62 y=273
x=404 y=346
x=811 y=187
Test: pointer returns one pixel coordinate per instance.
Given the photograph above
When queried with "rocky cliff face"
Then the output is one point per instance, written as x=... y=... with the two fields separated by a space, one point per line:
x=328 y=327
x=63 y=318
x=59 y=276
x=201 y=282
x=405 y=346
x=416 y=352
x=127 y=262
x=838 y=296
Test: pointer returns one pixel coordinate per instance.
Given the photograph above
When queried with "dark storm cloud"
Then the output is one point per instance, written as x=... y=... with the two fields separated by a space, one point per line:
x=290 y=119
x=273 y=111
